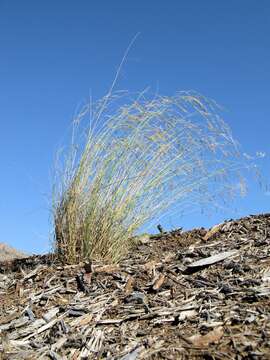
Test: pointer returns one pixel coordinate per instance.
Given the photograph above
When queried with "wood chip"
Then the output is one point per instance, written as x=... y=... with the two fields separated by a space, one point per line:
x=213 y=259
x=106 y=269
x=159 y=282
x=129 y=285
x=203 y=341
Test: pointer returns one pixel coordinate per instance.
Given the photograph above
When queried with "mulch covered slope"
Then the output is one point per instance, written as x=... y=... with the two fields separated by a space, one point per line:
x=180 y=295
x=8 y=253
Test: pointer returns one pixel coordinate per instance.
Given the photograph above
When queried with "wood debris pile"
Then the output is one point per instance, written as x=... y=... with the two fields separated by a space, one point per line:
x=180 y=295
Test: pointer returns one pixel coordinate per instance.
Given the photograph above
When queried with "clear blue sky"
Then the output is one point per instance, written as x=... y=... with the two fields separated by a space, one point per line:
x=52 y=53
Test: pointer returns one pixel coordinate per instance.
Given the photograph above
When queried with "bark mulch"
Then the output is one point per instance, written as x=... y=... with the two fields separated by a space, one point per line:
x=201 y=294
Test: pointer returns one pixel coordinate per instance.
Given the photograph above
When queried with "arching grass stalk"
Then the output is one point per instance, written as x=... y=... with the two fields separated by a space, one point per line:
x=139 y=158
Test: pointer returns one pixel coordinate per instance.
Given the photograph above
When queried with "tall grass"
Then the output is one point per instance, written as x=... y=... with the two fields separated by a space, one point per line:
x=136 y=159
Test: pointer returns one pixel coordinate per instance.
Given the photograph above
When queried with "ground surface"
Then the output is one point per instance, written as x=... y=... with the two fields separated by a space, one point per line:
x=192 y=295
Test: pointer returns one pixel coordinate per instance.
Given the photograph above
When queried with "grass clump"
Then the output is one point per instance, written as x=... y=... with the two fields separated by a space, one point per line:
x=137 y=159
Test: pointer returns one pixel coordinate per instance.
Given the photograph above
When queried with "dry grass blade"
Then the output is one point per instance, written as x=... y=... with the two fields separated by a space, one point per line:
x=137 y=160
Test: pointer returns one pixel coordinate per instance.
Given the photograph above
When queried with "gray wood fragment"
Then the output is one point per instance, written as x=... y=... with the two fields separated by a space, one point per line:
x=213 y=259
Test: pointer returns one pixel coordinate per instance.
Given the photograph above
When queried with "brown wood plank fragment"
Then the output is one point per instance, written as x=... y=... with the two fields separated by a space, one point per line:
x=159 y=282
x=205 y=340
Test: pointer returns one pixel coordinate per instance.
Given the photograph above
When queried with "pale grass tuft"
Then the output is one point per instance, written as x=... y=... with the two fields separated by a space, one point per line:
x=140 y=158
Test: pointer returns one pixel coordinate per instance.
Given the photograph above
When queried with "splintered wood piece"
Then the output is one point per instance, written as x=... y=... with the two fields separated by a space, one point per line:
x=33 y=273
x=187 y=314
x=93 y=345
x=45 y=327
x=213 y=259
x=82 y=320
x=59 y=343
x=48 y=316
x=159 y=282
x=204 y=340
x=28 y=330
x=106 y=269
x=150 y=266
x=129 y=285
x=19 y=289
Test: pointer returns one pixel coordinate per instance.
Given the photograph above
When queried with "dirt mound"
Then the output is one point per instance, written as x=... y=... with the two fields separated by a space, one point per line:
x=8 y=253
x=202 y=294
